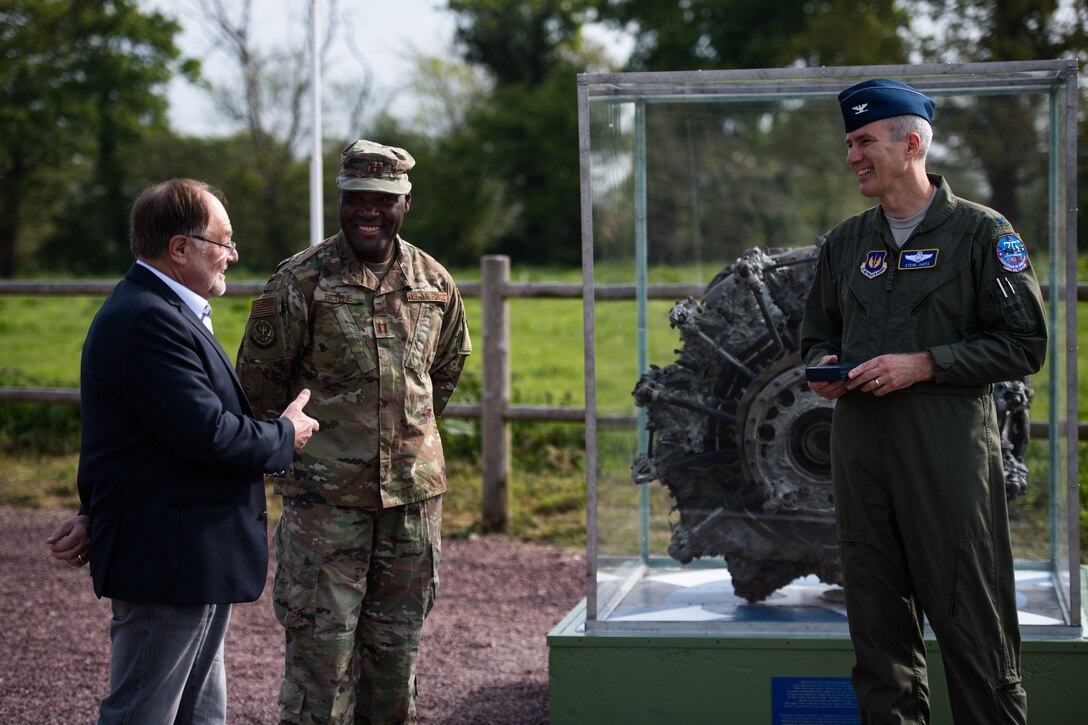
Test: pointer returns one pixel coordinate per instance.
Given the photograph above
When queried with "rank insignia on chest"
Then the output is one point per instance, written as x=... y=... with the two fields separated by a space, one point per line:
x=1012 y=253
x=383 y=327
x=875 y=264
x=919 y=259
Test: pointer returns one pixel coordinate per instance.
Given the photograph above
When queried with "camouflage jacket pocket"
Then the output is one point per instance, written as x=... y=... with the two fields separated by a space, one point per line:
x=340 y=351
x=428 y=330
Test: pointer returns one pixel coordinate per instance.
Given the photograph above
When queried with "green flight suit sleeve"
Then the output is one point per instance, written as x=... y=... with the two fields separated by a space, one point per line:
x=821 y=327
x=1011 y=339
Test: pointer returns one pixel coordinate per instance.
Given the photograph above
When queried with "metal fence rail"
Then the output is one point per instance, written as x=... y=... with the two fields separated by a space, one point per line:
x=495 y=412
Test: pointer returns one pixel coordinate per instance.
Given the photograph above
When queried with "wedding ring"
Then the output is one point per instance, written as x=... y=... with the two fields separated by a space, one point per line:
x=80 y=557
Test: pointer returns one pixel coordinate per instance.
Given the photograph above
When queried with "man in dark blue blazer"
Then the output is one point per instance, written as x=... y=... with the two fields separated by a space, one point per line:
x=172 y=516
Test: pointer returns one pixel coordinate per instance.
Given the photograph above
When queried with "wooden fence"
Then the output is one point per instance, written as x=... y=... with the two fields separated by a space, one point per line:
x=494 y=411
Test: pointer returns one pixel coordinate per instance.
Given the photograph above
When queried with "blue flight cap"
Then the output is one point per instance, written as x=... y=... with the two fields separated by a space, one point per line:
x=882 y=98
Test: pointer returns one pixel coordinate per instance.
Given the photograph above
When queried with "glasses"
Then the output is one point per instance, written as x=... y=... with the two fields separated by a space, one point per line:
x=227 y=245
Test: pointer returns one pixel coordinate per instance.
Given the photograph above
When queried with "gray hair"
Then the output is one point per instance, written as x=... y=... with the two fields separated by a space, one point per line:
x=901 y=126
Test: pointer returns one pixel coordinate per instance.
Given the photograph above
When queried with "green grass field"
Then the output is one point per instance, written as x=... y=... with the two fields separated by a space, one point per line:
x=41 y=339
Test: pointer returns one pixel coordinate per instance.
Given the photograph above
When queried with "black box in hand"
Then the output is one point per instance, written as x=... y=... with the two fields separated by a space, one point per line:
x=829 y=373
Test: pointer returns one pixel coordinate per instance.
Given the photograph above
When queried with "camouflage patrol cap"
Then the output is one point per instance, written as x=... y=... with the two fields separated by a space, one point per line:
x=370 y=166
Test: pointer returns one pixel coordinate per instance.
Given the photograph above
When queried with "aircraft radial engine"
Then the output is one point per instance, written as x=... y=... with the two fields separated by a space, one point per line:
x=742 y=444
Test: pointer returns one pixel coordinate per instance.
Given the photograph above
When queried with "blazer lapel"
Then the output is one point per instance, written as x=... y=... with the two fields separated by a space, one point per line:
x=141 y=276
x=214 y=343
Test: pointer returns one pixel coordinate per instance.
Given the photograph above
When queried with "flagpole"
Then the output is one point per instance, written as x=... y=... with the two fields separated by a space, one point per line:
x=317 y=231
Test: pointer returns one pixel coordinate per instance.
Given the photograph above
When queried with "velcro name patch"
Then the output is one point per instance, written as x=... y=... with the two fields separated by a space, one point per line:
x=427 y=296
x=919 y=259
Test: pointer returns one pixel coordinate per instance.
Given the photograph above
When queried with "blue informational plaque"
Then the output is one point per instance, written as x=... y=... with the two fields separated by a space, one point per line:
x=813 y=701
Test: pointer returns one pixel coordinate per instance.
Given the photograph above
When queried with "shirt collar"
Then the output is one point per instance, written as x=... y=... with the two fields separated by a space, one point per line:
x=192 y=300
x=353 y=271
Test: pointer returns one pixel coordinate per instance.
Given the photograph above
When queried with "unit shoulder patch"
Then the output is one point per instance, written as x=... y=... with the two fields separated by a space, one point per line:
x=263 y=333
x=1011 y=253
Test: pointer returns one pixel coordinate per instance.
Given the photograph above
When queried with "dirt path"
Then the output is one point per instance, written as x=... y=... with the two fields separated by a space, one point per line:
x=484 y=657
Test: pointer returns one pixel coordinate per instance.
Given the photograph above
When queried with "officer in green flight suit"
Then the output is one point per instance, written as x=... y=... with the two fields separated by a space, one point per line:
x=934 y=298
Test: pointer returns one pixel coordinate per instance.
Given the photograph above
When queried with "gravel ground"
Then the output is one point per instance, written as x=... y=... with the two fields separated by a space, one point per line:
x=484 y=657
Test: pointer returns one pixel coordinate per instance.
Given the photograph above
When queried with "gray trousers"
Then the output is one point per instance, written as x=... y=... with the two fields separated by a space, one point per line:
x=166 y=664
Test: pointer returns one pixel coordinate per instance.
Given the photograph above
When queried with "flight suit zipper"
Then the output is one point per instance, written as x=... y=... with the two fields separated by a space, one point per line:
x=889 y=289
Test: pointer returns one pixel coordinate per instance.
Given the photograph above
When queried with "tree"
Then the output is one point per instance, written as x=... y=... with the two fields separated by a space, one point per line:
x=226 y=162
x=269 y=104
x=81 y=81
x=728 y=34
x=527 y=137
x=510 y=169
x=732 y=34
x=726 y=176
x=518 y=41
x=1010 y=153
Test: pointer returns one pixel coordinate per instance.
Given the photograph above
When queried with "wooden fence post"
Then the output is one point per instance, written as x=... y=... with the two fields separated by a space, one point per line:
x=495 y=431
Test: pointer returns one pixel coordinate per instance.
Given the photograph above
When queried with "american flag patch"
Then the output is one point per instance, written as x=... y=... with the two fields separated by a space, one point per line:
x=263 y=307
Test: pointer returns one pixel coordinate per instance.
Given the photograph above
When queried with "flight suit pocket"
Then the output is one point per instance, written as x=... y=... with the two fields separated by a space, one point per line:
x=855 y=312
x=936 y=310
x=951 y=575
x=1009 y=297
x=969 y=587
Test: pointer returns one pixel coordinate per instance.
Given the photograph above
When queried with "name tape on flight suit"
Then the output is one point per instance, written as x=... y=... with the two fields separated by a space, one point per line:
x=919 y=259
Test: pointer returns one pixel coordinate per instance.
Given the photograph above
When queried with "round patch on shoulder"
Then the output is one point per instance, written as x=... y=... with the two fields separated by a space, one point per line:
x=1012 y=253
x=263 y=333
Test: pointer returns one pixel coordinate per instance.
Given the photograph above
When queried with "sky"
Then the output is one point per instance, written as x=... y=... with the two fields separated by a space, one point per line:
x=385 y=33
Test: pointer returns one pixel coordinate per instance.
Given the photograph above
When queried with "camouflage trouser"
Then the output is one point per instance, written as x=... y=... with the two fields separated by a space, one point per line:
x=352 y=589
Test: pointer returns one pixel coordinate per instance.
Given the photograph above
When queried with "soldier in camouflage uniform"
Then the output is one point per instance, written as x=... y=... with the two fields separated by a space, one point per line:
x=376 y=329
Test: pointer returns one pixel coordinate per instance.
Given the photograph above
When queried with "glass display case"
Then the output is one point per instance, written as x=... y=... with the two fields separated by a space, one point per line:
x=708 y=472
